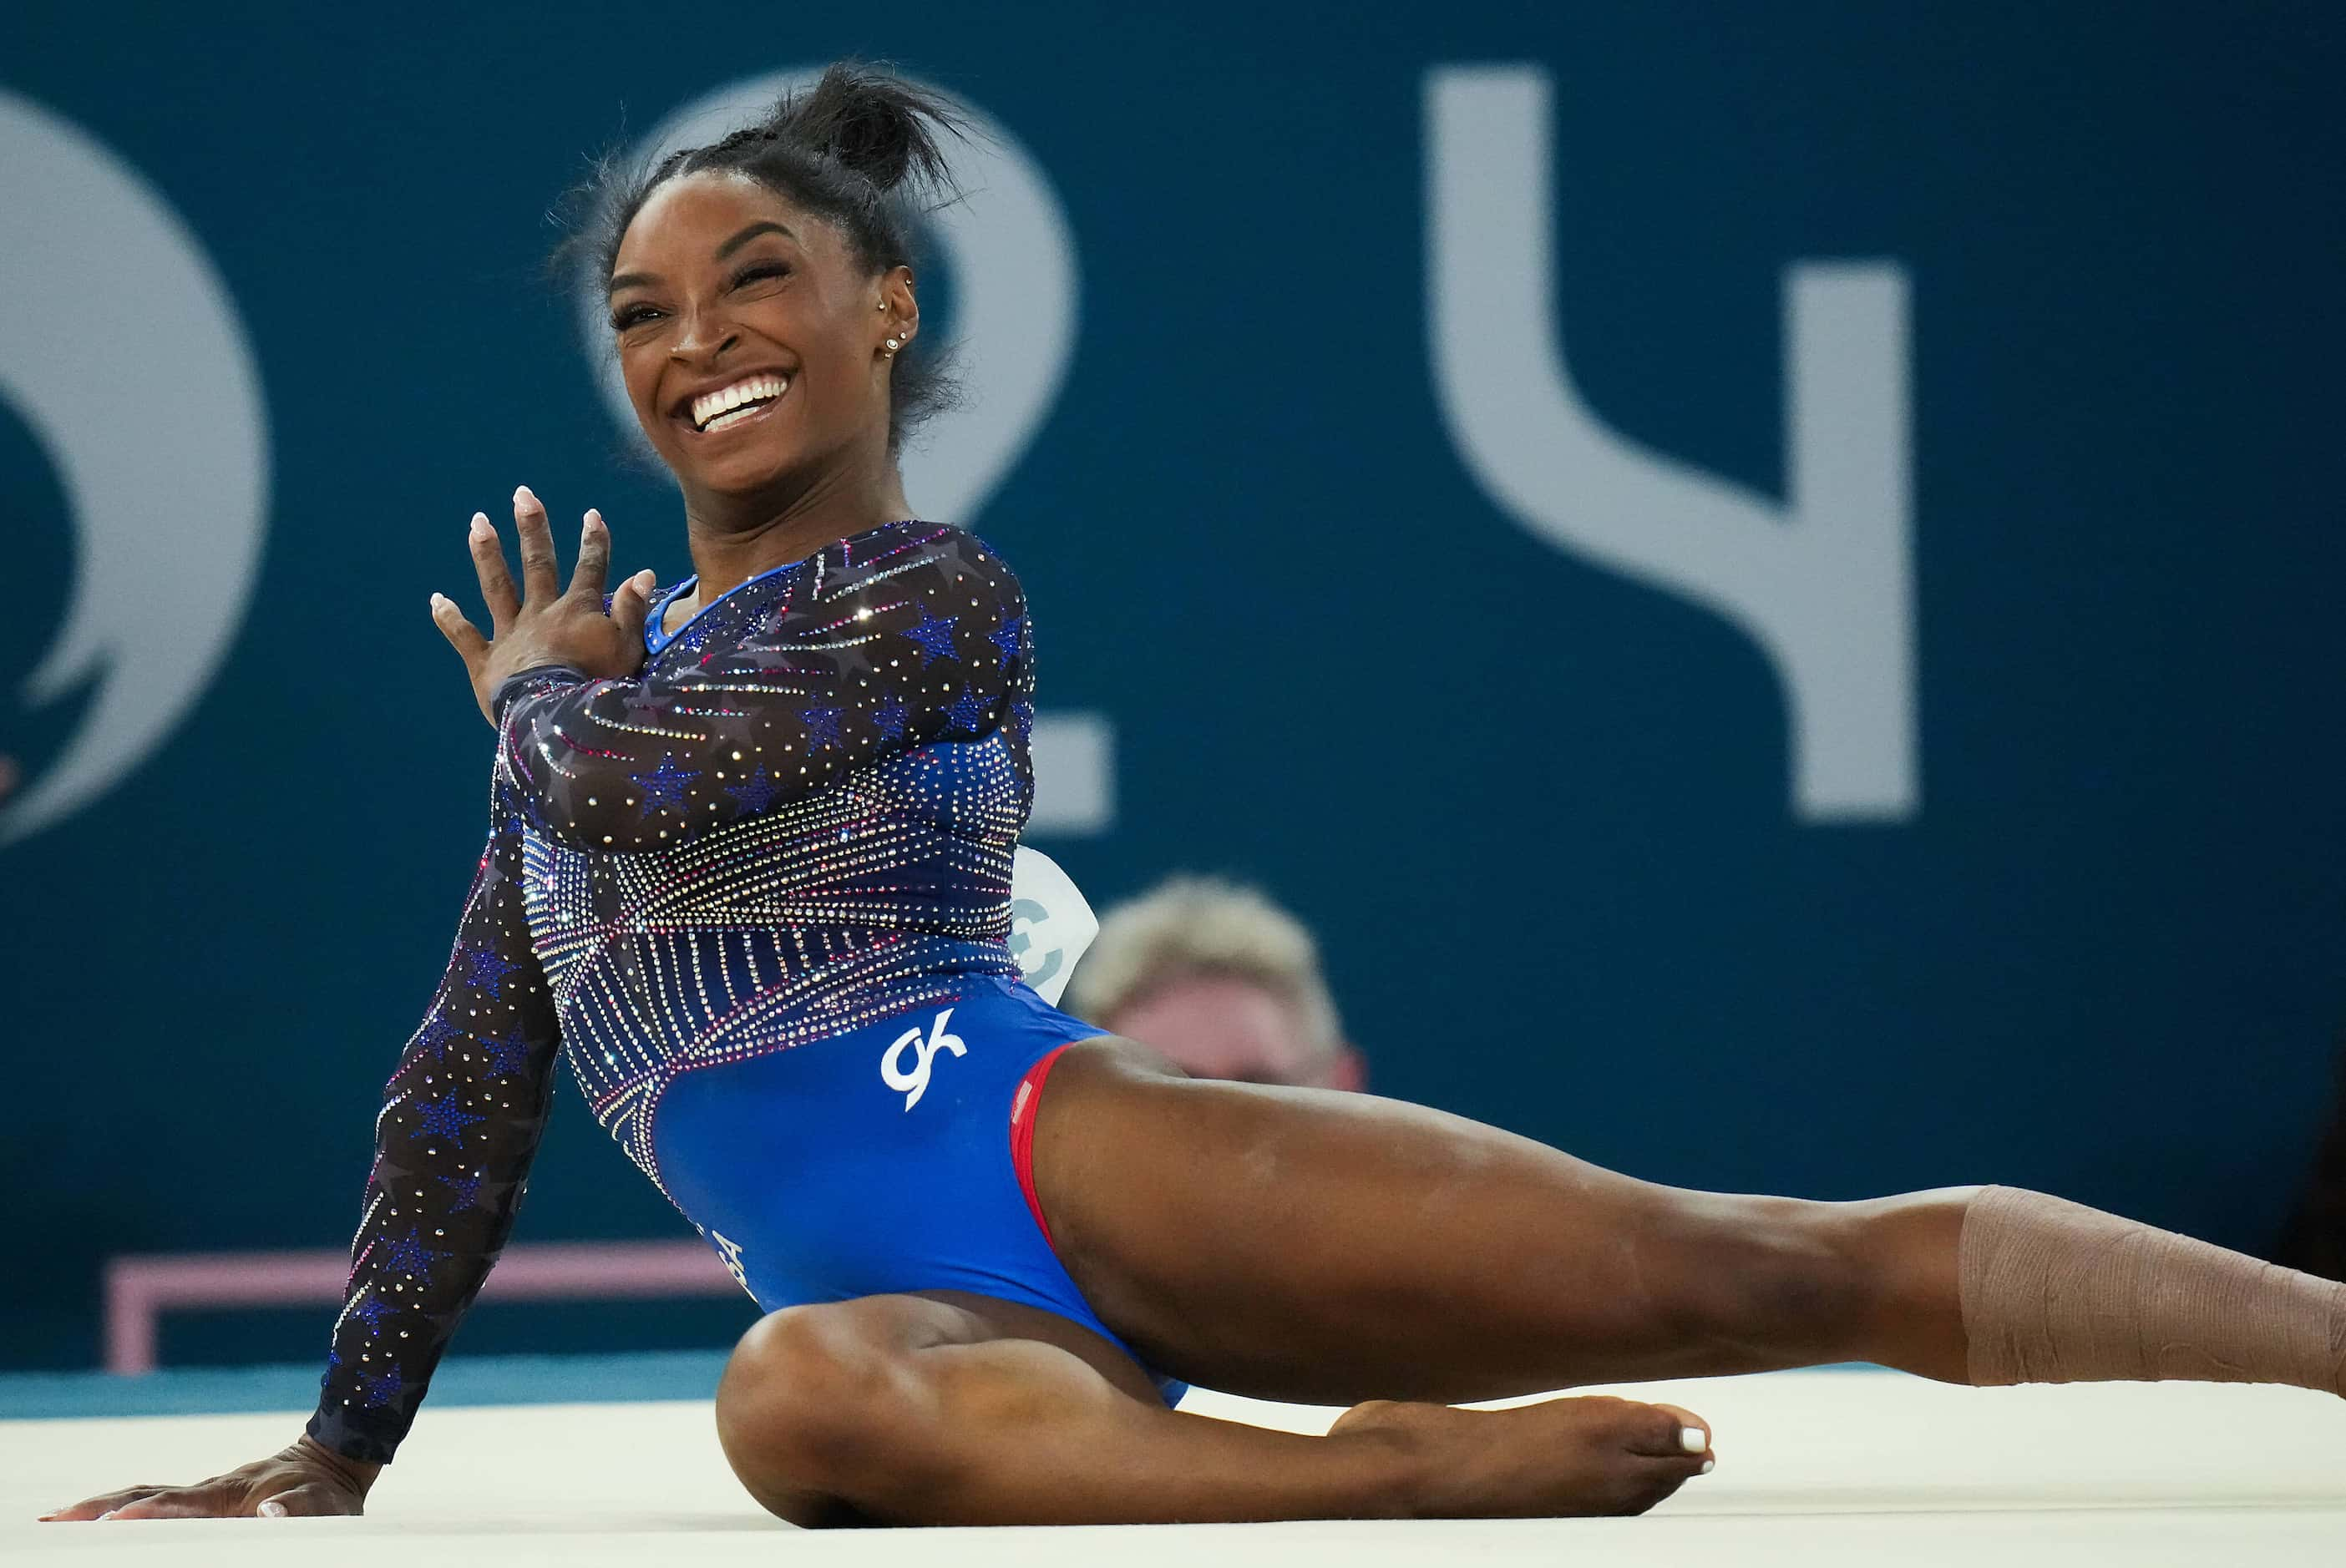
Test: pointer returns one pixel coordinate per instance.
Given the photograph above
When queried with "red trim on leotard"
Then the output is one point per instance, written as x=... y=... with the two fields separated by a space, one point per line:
x=1022 y=1137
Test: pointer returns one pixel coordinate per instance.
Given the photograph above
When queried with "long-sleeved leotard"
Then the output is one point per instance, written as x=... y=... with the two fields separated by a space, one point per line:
x=459 y=1126
x=798 y=818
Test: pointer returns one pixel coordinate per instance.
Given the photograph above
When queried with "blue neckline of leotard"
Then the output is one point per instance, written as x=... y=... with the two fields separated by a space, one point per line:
x=655 y=639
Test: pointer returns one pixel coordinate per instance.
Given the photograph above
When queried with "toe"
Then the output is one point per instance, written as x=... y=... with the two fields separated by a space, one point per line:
x=1668 y=1431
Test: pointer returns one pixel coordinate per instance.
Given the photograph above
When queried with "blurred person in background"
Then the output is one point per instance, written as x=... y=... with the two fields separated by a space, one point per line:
x=1223 y=981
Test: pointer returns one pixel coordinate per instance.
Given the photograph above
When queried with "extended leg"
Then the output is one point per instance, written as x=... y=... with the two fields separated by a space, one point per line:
x=917 y=1409
x=1300 y=1244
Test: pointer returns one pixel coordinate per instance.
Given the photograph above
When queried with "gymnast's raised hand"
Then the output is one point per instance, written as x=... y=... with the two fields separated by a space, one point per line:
x=544 y=623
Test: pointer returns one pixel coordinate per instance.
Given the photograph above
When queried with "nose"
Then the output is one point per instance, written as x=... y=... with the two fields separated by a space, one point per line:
x=704 y=337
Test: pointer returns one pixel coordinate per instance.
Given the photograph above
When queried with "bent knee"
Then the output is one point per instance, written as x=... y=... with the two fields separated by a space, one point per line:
x=801 y=1401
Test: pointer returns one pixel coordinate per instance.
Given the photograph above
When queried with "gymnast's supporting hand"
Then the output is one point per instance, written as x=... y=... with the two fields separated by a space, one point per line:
x=301 y=1480
x=542 y=624
x=949 y=1409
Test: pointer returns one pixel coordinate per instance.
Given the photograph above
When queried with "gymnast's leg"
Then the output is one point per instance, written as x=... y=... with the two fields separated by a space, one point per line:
x=1307 y=1245
x=952 y=1409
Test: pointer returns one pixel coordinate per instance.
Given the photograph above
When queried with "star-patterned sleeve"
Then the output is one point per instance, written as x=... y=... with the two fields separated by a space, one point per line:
x=460 y=1124
x=879 y=645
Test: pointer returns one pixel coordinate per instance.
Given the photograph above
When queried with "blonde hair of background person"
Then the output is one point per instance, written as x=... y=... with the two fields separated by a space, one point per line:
x=1221 y=980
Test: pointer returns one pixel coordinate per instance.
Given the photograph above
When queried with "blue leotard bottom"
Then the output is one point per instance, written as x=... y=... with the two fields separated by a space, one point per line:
x=878 y=1160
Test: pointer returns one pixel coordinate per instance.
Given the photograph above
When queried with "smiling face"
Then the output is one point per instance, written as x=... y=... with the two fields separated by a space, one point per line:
x=752 y=345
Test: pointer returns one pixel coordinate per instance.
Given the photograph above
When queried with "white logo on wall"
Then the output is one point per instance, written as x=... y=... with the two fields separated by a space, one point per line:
x=122 y=352
x=1016 y=295
x=1823 y=582
x=917 y=1080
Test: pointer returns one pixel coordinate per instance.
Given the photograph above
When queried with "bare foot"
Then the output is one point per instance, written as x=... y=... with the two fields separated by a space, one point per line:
x=1562 y=1457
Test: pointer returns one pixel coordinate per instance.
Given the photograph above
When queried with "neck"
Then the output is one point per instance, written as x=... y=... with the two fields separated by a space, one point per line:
x=735 y=538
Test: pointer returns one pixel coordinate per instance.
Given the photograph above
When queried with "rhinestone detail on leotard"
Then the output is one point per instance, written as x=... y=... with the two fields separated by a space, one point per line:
x=797 y=819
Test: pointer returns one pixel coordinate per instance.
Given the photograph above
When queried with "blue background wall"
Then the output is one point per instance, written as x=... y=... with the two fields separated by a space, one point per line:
x=1538 y=811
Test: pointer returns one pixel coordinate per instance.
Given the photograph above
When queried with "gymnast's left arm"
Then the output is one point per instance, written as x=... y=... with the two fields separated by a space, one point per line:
x=839 y=669
x=459 y=1127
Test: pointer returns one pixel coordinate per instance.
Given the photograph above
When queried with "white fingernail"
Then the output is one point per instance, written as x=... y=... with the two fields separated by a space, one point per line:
x=1708 y=1466
x=103 y=1517
x=1695 y=1438
x=274 y=1509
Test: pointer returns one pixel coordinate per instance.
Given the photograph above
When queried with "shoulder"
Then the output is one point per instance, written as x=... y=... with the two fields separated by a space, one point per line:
x=928 y=555
x=983 y=563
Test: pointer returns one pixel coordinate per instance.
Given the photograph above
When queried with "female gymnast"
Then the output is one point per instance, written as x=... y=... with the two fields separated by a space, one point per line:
x=748 y=867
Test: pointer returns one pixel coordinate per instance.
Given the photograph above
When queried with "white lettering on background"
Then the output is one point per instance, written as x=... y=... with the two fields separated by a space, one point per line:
x=1823 y=582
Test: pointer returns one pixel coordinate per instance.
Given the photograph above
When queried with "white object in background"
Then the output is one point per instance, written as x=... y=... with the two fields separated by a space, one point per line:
x=169 y=526
x=1822 y=581
x=1074 y=756
x=1050 y=924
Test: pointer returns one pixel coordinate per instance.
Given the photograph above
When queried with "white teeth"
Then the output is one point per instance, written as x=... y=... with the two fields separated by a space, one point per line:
x=731 y=416
x=707 y=408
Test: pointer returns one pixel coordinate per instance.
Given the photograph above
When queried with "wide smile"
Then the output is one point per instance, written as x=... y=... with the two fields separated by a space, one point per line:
x=751 y=400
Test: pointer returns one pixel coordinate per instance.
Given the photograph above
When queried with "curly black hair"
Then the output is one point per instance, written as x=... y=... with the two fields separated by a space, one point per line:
x=858 y=147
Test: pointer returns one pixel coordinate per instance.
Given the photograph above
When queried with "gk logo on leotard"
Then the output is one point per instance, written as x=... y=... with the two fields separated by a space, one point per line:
x=917 y=1081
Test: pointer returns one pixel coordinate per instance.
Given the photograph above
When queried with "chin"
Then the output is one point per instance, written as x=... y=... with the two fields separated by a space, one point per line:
x=742 y=472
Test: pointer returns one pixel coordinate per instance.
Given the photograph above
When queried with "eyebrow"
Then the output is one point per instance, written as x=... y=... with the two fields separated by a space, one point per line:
x=763 y=226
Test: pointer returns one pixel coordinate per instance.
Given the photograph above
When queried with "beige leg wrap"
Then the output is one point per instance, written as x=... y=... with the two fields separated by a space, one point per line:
x=2054 y=1292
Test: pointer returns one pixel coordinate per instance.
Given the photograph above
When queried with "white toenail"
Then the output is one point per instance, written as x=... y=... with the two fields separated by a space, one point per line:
x=1695 y=1438
x=1708 y=1466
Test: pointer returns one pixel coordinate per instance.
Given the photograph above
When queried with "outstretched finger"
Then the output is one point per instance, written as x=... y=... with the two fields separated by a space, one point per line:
x=631 y=605
x=594 y=557
x=462 y=634
x=306 y=1502
x=538 y=587
x=177 y=1502
x=91 y=1507
x=489 y=563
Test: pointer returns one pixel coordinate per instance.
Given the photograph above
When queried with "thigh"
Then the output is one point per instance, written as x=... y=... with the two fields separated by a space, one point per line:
x=1314 y=1245
x=910 y=1320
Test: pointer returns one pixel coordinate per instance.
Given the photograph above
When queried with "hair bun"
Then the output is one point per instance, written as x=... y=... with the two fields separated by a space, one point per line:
x=870 y=121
